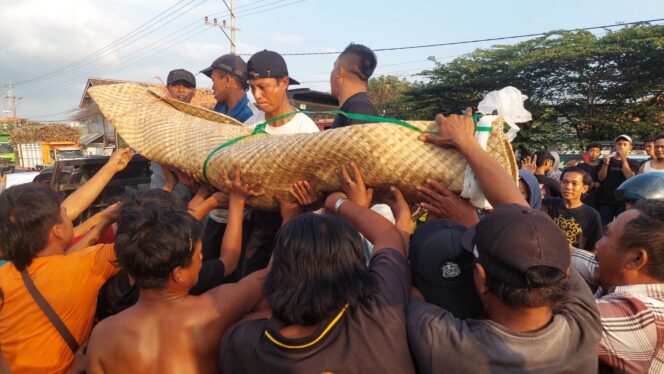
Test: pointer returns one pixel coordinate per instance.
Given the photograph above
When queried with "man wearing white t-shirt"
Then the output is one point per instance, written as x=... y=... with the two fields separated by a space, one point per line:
x=269 y=81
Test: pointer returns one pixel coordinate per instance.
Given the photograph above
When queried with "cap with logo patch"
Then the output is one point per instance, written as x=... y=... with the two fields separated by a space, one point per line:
x=442 y=269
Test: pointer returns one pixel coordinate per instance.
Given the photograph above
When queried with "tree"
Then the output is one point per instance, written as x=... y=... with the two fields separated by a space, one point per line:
x=581 y=87
x=386 y=94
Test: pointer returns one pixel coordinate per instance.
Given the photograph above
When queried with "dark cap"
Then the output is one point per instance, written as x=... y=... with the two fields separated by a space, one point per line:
x=181 y=75
x=442 y=269
x=268 y=64
x=513 y=239
x=229 y=64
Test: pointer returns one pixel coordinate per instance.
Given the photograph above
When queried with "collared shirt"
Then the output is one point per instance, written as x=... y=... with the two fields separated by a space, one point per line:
x=241 y=111
x=632 y=322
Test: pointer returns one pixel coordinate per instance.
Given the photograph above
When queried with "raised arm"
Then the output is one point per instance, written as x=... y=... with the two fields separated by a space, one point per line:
x=81 y=199
x=353 y=205
x=306 y=197
x=626 y=167
x=604 y=169
x=233 y=301
x=240 y=189
x=403 y=220
x=201 y=208
x=106 y=218
x=456 y=131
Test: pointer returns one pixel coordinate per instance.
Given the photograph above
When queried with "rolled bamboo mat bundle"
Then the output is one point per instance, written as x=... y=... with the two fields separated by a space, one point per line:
x=204 y=143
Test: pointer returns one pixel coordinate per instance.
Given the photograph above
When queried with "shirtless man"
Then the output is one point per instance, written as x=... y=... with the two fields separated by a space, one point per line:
x=169 y=331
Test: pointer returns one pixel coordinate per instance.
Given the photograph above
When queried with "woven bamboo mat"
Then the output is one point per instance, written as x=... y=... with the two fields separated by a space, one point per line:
x=183 y=136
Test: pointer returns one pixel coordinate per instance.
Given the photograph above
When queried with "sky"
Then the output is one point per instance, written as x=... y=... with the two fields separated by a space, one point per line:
x=49 y=48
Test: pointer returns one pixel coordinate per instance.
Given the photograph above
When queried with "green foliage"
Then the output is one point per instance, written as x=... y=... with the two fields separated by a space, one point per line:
x=386 y=94
x=581 y=87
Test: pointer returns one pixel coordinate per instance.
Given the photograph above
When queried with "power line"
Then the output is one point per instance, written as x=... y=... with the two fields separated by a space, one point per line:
x=474 y=40
x=150 y=47
x=143 y=53
x=96 y=53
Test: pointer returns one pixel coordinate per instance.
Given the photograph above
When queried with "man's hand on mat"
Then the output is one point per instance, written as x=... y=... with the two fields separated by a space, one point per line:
x=453 y=131
x=354 y=186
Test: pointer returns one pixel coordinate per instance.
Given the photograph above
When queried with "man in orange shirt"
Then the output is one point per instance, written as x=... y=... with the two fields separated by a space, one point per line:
x=35 y=231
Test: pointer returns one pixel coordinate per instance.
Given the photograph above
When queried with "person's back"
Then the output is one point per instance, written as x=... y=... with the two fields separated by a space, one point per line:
x=550 y=326
x=329 y=312
x=177 y=336
x=168 y=330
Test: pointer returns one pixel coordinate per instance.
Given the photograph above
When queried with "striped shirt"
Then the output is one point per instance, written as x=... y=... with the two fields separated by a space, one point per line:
x=632 y=322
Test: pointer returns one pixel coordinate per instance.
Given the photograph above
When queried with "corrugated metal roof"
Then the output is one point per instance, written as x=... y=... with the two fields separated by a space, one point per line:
x=90 y=138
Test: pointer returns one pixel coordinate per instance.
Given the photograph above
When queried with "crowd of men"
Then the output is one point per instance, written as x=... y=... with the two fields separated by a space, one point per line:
x=557 y=277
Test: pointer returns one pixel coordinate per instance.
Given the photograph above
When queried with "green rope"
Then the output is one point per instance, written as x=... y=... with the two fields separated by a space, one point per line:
x=260 y=128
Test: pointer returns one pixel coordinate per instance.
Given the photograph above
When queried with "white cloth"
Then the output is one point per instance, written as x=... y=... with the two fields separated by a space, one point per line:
x=298 y=124
x=508 y=103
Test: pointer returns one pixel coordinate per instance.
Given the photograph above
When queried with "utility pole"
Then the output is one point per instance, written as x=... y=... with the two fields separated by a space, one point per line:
x=10 y=101
x=223 y=27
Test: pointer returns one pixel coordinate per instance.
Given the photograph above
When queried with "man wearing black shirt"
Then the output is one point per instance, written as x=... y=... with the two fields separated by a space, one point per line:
x=329 y=312
x=348 y=83
x=613 y=172
x=592 y=167
x=581 y=224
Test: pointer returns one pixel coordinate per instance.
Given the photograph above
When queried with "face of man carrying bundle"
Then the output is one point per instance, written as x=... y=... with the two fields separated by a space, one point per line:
x=269 y=81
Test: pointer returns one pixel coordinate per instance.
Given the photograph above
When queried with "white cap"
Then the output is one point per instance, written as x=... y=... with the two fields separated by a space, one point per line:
x=623 y=136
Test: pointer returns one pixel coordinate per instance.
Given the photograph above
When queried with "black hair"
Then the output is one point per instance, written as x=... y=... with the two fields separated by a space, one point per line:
x=154 y=237
x=27 y=214
x=318 y=267
x=156 y=195
x=586 y=179
x=543 y=156
x=647 y=231
x=359 y=60
x=593 y=145
x=546 y=287
x=657 y=137
x=650 y=139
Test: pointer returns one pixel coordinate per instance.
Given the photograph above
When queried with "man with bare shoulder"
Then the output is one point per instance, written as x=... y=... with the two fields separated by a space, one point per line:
x=168 y=330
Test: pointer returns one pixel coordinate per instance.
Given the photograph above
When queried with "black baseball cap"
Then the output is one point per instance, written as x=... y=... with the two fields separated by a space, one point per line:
x=181 y=75
x=229 y=64
x=513 y=239
x=268 y=64
x=443 y=270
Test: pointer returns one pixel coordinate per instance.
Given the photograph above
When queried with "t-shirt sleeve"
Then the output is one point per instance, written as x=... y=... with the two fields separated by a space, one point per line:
x=548 y=205
x=579 y=304
x=102 y=257
x=594 y=229
x=361 y=107
x=432 y=331
x=392 y=271
x=210 y=276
